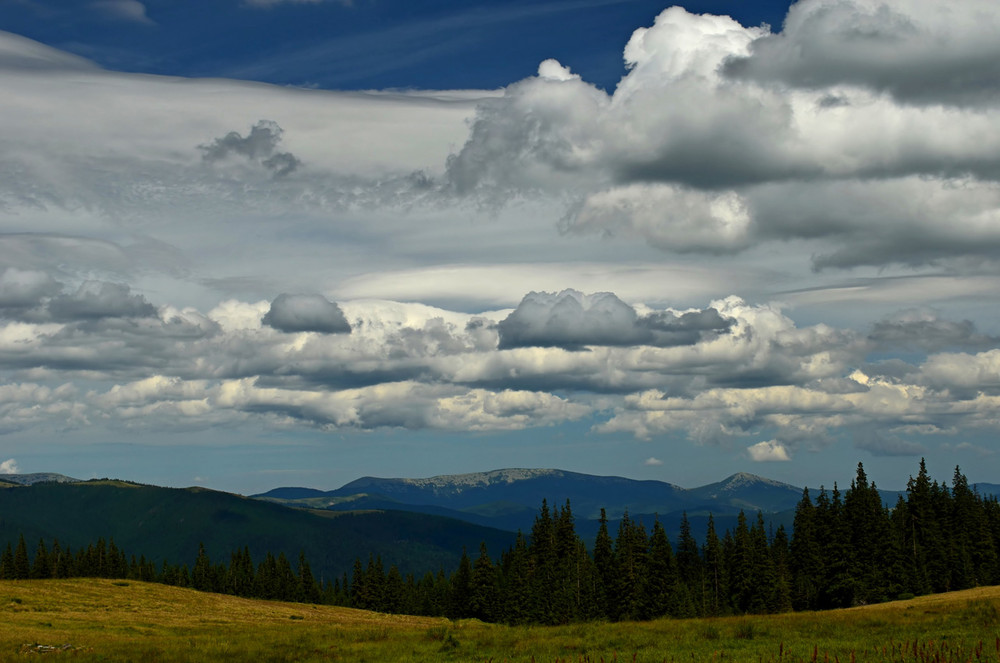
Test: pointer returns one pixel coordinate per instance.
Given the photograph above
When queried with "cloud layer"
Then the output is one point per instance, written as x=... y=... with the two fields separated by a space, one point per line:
x=760 y=243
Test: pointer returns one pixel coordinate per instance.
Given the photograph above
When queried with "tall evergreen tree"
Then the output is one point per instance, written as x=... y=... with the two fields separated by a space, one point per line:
x=201 y=574
x=764 y=580
x=22 y=567
x=717 y=587
x=630 y=558
x=604 y=570
x=543 y=555
x=460 y=603
x=689 y=567
x=484 y=590
x=839 y=584
x=42 y=566
x=868 y=526
x=781 y=597
x=659 y=580
x=308 y=588
x=741 y=567
x=515 y=584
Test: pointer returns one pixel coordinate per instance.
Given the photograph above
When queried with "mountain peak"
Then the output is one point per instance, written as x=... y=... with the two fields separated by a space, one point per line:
x=480 y=479
x=745 y=479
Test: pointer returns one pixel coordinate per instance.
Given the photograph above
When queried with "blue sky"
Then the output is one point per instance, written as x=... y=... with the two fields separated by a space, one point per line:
x=262 y=242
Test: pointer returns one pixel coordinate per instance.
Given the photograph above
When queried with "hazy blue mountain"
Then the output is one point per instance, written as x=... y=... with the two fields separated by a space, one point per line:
x=747 y=492
x=987 y=489
x=291 y=494
x=510 y=499
x=511 y=492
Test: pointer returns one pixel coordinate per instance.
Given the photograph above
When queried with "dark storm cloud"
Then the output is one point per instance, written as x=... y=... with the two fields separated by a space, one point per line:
x=306 y=313
x=25 y=289
x=916 y=51
x=572 y=320
x=94 y=300
x=686 y=329
x=257 y=146
x=926 y=331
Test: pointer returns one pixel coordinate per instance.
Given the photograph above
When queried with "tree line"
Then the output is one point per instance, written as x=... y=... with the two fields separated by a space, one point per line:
x=845 y=549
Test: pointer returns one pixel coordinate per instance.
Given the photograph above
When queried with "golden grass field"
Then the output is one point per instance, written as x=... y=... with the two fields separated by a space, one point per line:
x=105 y=620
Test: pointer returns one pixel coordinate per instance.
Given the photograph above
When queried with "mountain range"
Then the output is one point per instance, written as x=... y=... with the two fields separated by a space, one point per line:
x=418 y=524
x=510 y=498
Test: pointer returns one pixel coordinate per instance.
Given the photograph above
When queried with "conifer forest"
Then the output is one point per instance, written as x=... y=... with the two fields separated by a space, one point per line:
x=846 y=548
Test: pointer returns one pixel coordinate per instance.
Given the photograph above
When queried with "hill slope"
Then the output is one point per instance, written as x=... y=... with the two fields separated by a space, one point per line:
x=99 y=620
x=169 y=523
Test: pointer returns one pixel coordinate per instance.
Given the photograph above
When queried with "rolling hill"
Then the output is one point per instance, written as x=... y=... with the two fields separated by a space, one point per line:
x=170 y=523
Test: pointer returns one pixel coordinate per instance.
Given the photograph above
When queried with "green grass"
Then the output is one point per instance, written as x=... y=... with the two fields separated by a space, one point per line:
x=99 y=620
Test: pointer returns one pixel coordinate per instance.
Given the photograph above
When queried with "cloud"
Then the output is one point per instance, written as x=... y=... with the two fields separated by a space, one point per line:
x=652 y=462
x=25 y=289
x=771 y=450
x=21 y=53
x=918 y=51
x=572 y=320
x=258 y=146
x=95 y=300
x=668 y=216
x=925 y=330
x=127 y=10
x=306 y=313
x=690 y=157
x=880 y=444
x=9 y=466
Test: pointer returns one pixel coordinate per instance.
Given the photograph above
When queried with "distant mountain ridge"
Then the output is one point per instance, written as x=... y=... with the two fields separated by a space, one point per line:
x=37 y=477
x=510 y=498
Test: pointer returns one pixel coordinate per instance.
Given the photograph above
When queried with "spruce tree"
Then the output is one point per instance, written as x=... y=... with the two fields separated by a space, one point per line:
x=604 y=571
x=764 y=580
x=781 y=597
x=924 y=540
x=839 y=585
x=659 y=581
x=393 y=591
x=359 y=591
x=868 y=526
x=461 y=589
x=309 y=589
x=630 y=558
x=515 y=584
x=741 y=567
x=22 y=567
x=484 y=591
x=42 y=566
x=689 y=566
x=716 y=585
x=201 y=575
x=542 y=552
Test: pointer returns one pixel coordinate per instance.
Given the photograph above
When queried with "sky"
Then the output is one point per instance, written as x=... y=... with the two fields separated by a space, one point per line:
x=264 y=243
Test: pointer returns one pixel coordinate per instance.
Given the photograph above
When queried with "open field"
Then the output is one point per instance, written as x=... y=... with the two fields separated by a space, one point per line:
x=104 y=620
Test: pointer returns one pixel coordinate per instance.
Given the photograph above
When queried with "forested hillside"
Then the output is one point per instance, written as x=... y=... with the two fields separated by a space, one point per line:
x=846 y=549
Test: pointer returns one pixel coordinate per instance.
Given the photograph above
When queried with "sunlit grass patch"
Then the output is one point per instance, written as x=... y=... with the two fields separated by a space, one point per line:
x=96 y=620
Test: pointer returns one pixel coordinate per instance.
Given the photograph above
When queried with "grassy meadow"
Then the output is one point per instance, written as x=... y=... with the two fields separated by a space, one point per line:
x=106 y=620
